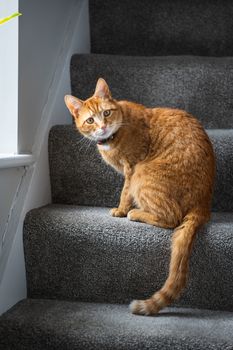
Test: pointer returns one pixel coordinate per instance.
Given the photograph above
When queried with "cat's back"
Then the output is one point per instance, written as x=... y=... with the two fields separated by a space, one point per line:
x=174 y=130
x=173 y=118
x=181 y=155
x=179 y=139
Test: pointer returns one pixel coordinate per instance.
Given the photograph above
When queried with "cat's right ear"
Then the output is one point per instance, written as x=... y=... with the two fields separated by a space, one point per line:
x=74 y=104
x=102 y=89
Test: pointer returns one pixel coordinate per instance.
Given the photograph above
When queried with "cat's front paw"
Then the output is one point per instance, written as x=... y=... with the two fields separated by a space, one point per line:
x=118 y=212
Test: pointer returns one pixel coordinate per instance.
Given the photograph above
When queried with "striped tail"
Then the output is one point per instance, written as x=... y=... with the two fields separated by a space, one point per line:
x=182 y=241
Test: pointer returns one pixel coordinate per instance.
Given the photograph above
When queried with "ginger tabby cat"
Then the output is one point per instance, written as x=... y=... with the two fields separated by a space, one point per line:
x=168 y=164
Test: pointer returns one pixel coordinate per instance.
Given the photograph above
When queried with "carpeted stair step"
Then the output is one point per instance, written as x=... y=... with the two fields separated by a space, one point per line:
x=51 y=325
x=82 y=253
x=201 y=85
x=80 y=176
x=177 y=27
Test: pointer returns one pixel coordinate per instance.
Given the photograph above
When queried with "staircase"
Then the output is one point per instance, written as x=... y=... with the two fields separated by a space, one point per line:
x=84 y=266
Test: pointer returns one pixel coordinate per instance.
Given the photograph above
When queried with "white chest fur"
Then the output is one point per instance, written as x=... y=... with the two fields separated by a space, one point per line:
x=104 y=147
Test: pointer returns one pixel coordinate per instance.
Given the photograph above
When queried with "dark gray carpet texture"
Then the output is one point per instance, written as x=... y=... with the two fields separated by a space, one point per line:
x=82 y=253
x=162 y=27
x=201 y=85
x=62 y=325
x=83 y=266
x=80 y=176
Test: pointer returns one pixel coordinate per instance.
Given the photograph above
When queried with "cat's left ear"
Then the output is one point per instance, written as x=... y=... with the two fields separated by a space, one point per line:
x=102 y=89
x=74 y=104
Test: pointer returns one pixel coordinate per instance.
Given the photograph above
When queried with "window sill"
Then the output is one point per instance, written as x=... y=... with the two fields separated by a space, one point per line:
x=15 y=160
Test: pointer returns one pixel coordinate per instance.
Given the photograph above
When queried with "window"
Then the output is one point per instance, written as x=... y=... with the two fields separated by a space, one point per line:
x=8 y=78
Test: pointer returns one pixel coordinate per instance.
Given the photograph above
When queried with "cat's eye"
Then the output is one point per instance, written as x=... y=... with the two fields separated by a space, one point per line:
x=107 y=113
x=90 y=120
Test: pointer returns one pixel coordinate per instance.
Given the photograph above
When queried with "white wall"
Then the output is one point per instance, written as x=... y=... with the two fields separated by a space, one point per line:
x=41 y=32
x=51 y=31
x=9 y=179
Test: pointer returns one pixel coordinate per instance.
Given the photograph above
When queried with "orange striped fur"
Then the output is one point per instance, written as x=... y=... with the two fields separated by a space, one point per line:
x=168 y=163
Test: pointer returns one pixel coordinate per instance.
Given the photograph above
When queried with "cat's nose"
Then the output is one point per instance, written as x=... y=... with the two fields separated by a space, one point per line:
x=103 y=128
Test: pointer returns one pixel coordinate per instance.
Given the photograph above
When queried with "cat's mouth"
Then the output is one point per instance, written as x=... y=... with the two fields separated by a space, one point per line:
x=104 y=141
x=107 y=136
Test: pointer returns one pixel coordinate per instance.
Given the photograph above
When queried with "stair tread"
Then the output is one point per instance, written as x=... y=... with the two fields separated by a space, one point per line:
x=51 y=324
x=101 y=258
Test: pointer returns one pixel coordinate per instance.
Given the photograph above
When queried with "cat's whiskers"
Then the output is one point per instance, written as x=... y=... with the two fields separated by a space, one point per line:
x=88 y=145
x=81 y=140
x=84 y=144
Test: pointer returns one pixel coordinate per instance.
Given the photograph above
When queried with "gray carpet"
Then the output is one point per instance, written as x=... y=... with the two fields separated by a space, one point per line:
x=80 y=176
x=82 y=253
x=52 y=325
x=201 y=85
x=167 y=27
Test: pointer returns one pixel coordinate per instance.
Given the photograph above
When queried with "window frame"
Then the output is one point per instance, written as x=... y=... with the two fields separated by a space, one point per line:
x=9 y=63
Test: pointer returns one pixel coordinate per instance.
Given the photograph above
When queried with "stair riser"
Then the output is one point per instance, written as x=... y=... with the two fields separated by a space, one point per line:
x=201 y=85
x=177 y=27
x=80 y=176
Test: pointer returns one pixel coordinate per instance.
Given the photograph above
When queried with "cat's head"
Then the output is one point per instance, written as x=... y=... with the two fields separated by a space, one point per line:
x=99 y=117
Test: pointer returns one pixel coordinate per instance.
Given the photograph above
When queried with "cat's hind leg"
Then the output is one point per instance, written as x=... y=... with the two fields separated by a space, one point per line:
x=156 y=202
x=156 y=209
x=148 y=218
